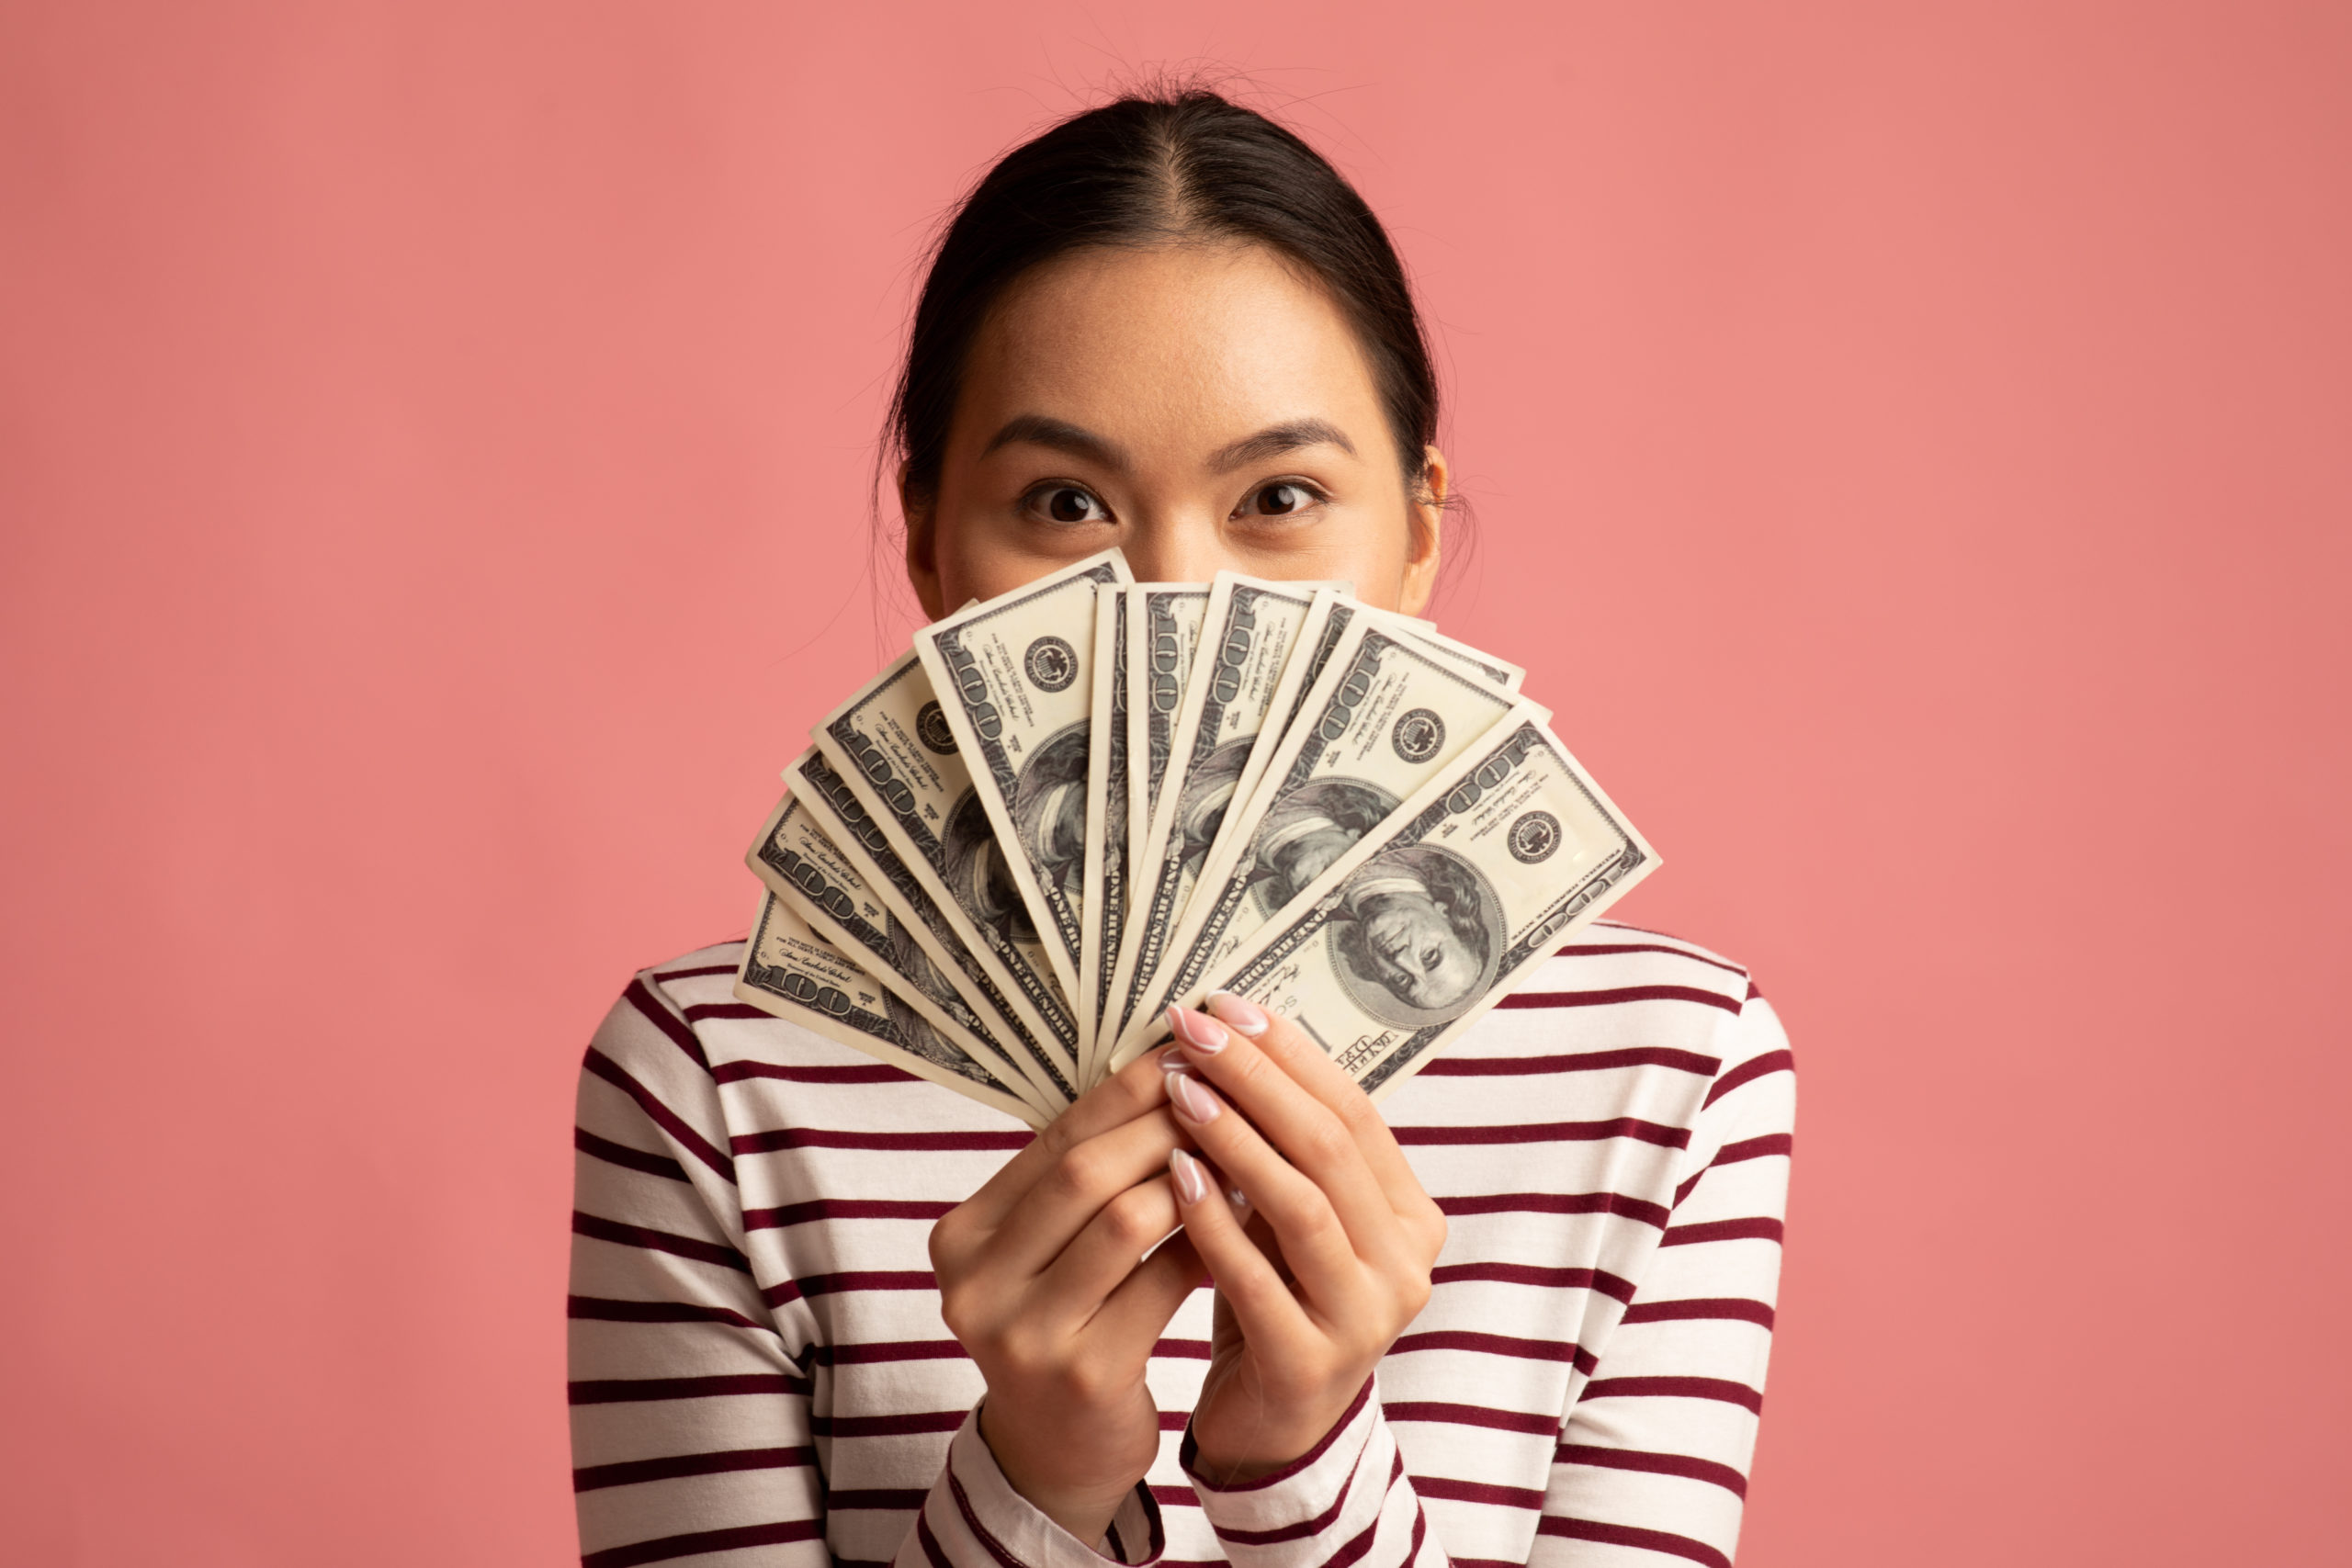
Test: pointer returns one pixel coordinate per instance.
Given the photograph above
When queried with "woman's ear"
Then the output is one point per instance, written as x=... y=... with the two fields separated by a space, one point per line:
x=922 y=547
x=1425 y=519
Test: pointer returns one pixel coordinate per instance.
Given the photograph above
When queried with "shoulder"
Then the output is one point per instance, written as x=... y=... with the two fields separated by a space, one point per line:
x=687 y=1007
x=1612 y=985
x=679 y=1030
x=1619 y=1020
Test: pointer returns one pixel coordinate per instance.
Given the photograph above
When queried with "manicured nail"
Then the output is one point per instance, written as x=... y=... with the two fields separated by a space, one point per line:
x=1199 y=1032
x=1244 y=1015
x=1172 y=1060
x=1191 y=1185
x=1193 y=1099
x=1240 y=1202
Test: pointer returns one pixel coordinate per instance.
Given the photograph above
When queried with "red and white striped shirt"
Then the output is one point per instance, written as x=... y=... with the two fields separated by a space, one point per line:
x=760 y=1376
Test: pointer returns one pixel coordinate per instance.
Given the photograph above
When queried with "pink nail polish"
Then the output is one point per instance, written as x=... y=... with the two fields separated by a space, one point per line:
x=1240 y=1012
x=1200 y=1033
x=1191 y=1185
x=1194 y=1099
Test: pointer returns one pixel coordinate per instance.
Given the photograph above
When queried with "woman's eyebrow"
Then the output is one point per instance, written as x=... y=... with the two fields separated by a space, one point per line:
x=1038 y=430
x=1277 y=439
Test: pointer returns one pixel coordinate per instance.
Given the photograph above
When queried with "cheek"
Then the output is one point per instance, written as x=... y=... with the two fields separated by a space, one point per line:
x=1366 y=546
x=976 y=561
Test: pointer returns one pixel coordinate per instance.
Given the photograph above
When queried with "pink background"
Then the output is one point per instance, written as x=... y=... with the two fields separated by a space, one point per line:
x=1913 y=448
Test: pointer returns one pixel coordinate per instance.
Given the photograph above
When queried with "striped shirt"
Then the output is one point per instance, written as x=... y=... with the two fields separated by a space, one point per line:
x=761 y=1375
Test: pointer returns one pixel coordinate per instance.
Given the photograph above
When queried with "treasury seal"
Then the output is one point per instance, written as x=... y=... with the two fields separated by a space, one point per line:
x=931 y=728
x=1051 y=665
x=1534 y=837
x=1418 y=735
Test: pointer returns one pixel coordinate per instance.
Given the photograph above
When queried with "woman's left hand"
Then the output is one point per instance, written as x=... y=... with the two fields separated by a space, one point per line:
x=1297 y=1331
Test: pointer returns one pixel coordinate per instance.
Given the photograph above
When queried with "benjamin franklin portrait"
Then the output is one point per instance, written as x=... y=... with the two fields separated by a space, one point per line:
x=914 y=1031
x=977 y=874
x=1201 y=807
x=1309 y=829
x=1418 y=936
x=1049 y=808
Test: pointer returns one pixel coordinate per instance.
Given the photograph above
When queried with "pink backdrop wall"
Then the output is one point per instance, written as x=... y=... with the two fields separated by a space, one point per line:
x=1913 y=452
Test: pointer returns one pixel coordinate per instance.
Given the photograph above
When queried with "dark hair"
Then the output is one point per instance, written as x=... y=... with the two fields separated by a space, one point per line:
x=1144 y=170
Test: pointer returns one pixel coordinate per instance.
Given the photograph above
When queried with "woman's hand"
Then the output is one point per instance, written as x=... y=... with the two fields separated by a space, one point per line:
x=1038 y=1278
x=1297 y=1333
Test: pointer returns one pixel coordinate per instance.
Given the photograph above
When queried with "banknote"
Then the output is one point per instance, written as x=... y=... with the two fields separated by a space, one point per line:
x=1415 y=932
x=1164 y=632
x=1013 y=677
x=824 y=887
x=891 y=748
x=788 y=970
x=1247 y=633
x=1486 y=667
x=1386 y=715
x=1509 y=676
x=1163 y=639
x=1047 y=1059
x=1107 y=815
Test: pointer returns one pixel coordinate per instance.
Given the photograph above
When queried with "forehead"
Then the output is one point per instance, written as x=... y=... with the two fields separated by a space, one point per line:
x=1187 y=344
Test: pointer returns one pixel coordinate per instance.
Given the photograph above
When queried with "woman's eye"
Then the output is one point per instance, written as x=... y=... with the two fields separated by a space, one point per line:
x=1069 y=504
x=1280 y=498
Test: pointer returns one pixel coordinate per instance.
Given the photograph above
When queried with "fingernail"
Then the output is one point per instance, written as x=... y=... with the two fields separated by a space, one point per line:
x=1244 y=1015
x=1191 y=1185
x=1202 y=1034
x=1193 y=1099
x=1172 y=1060
x=1239 y=1200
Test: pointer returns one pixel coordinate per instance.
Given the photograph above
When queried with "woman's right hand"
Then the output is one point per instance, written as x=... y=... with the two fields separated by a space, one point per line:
x=1038 y=1279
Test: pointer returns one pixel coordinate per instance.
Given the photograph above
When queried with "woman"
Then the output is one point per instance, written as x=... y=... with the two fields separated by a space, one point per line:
x=1523 y=1318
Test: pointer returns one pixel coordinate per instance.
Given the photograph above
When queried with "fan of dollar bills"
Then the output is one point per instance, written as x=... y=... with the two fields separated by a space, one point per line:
x=1074 y=804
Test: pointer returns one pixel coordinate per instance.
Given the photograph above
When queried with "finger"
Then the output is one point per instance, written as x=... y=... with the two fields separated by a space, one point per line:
x=1262 y=1303
x=1307 y=1132
x=1131 y=1092
x=1314 y=1242
x=1136 y=1313
x=1290 y=1048
x=1073 y=1193
x=1104 y=1252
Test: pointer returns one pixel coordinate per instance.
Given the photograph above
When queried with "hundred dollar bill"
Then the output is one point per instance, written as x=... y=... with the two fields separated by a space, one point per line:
x=1247 y=633
x=891 y=748
x=1164 y=635
x=824 y=887
x=1509 y=676
x=1327 y=618
x=788 y=970
x=1386 y=715
x=1012 y=679
x=1163 y=638
x=1413 y=934
x=1106 y=816
x=1045 y=1057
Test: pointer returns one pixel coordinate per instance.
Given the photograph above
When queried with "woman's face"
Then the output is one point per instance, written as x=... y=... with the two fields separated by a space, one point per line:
x=1201 y=407
x=1420 y=957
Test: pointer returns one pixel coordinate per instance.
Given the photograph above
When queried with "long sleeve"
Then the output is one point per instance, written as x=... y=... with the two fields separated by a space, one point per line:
x=1346 y=1501
x=1653 y=1460
x=700 y=1420
x=973 y=1518
x=691 y=1429
x=760 y=1376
